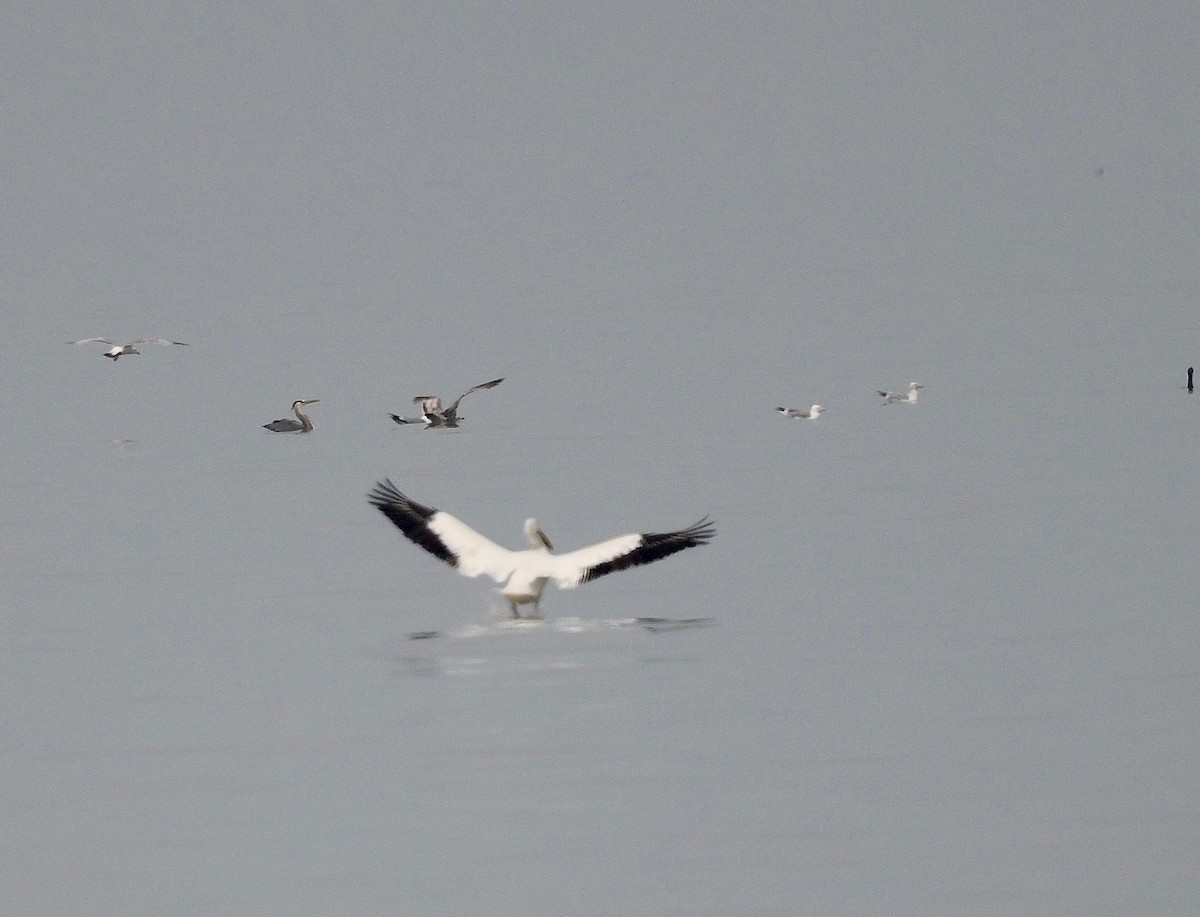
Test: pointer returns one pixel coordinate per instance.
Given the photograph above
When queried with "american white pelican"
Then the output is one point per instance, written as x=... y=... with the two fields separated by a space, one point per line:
x=909 y=397
x=123 y=350
x=523 y=574
x=287 y=425
x=432 y=413
x=811 y=414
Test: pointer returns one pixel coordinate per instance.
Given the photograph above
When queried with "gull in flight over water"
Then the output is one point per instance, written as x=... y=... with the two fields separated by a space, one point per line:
x=286 y=425
x=909 y=397
x=124 y=350
x=432 y=412
x=523 y=574
x=795 y=413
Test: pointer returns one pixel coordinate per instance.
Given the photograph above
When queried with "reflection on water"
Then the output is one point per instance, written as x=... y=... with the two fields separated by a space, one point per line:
x=563 y=626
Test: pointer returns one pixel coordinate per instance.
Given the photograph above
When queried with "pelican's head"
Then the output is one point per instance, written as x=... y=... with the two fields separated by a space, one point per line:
x=913 y=386
x=536 y=536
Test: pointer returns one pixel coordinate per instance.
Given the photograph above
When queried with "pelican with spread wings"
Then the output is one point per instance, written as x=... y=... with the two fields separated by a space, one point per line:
x=523 y=575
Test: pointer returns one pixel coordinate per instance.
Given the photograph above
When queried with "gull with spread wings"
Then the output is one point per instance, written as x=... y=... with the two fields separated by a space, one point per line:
x=432 y=412
x=124 y=350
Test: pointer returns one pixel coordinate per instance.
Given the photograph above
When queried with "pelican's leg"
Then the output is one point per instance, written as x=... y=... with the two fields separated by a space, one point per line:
x=513 y=606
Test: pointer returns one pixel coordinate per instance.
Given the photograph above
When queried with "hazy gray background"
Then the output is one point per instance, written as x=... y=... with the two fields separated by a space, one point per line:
x=954 y=665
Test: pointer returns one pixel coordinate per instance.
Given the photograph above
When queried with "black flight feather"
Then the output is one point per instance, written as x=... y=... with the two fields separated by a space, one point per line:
x=655 y=547
x=410 y=518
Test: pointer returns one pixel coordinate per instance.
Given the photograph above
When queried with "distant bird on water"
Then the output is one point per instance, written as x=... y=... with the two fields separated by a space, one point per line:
x=795 y=413
x=287 y=425
x=432 y=412
x=909 y=397
x=124 y=350
x=1190 y=378
x=523 y=574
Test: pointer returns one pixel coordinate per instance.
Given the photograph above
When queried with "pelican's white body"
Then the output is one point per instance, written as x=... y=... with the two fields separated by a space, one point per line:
x=523 y=575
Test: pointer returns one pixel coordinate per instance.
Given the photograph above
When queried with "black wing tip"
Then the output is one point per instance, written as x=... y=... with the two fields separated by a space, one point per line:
x=387 y=498
x=656 y=547
x=700 y=532
x=385 y=493
x=410 y=518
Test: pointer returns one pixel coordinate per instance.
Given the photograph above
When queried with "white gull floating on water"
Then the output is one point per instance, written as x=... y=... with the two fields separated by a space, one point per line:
x=523 y=574
x=796 y=414
x=909 y=397
x=123 y=350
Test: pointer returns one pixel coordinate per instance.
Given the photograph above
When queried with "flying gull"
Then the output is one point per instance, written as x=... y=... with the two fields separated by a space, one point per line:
x=124 y=350
x=523 y=574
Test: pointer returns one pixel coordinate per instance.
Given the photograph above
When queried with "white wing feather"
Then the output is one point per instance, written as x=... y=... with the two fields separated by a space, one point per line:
x=568 y=570
x=476 y=554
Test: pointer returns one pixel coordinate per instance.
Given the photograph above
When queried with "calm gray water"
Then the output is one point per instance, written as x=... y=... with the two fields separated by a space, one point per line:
x=952 y=663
